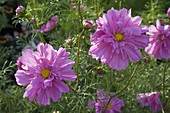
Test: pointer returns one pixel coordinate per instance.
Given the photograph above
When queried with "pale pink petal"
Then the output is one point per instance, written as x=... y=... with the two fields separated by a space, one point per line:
x=23 y=77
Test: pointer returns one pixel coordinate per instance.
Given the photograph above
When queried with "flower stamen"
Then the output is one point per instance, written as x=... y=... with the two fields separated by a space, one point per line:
x=109 y=106
x=118 y=37
x=45 y=73
x=160 y=37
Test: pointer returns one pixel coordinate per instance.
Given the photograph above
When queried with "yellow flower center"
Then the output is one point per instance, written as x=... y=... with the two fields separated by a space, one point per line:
x=118 y=37
x=45 y=73
x=160 y=37
x=109 y=106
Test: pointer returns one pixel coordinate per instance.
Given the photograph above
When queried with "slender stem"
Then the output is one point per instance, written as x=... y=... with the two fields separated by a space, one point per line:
x=36 y=26
x=72 y=89
x=120 y=4
x=80 y=15
x=120 y=91
x=107 y=83
x=41 y=37
x=78 y=54
x=164 y=80
x=161 y=84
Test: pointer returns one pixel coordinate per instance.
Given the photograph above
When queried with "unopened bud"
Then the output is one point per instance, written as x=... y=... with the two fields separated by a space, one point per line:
x=69 y=41
x=147 y=59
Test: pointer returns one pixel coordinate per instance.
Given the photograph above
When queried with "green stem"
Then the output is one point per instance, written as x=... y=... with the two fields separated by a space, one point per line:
x=72 y=89
x=80 y=15
x=35 y=23
x=120 y=4
x=120 y=91
x=164 y=80
x=78 y=54
x=41 y=37
x=107 y=83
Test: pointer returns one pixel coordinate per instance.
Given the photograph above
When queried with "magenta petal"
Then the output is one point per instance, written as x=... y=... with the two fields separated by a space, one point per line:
x=30 y=92
x=137 y=20
x=22 y=77
x=28 y=59
x=55 y=94
x=70 y=76
x=43 y=97
x=49 y=25
x=133 y=53
x=118 y=62
x=91 y=104
x=62 y=86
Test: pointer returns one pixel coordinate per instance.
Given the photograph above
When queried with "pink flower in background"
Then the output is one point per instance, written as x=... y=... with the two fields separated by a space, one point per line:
x=143 y=99
x=49 y=25
x=118 y=39
x=151 y=100
x=44 y=71
x=159 y=45
x=102 y=98
x=19 y=10
x=91 y=104
x=73 y=5
x=168 y=12
x=82 y=7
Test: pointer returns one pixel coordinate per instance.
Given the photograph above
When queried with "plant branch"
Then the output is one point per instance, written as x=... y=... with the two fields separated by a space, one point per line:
x=120 y=91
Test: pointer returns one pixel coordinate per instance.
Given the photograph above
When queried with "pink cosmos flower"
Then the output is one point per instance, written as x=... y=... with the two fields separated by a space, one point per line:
x=19 y=10
x=49 y=25
x=143 y=99
x=168 y=12
x=159 y=45
x=44 y=71
x=102 y=98
x=118 y=39
x=151 y=100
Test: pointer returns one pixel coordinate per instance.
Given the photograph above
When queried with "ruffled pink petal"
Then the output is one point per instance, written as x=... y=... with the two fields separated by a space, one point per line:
x=137 y=20
x=30 y=92
x=23 y=77
x=43 y=97
x=68 y=75
x=118 y=62
x=97 y=50
x=54 y=93
x=62 y=86
x=28 y=59
x=133 y=53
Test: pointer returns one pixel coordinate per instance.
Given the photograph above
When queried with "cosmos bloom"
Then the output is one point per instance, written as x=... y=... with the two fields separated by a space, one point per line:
x=44 y=71
x=151 y=100
x=159 y=45
x=118 y=39
x=102 y=98
x=19 y=10
x=168 y=12
x=49 y=25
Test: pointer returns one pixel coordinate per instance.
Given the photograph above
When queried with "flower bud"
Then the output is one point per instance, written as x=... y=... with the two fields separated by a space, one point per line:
x=147 y=59
x=88 y=24
x=19 y=10
x=99 y=71
x=69 y=41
